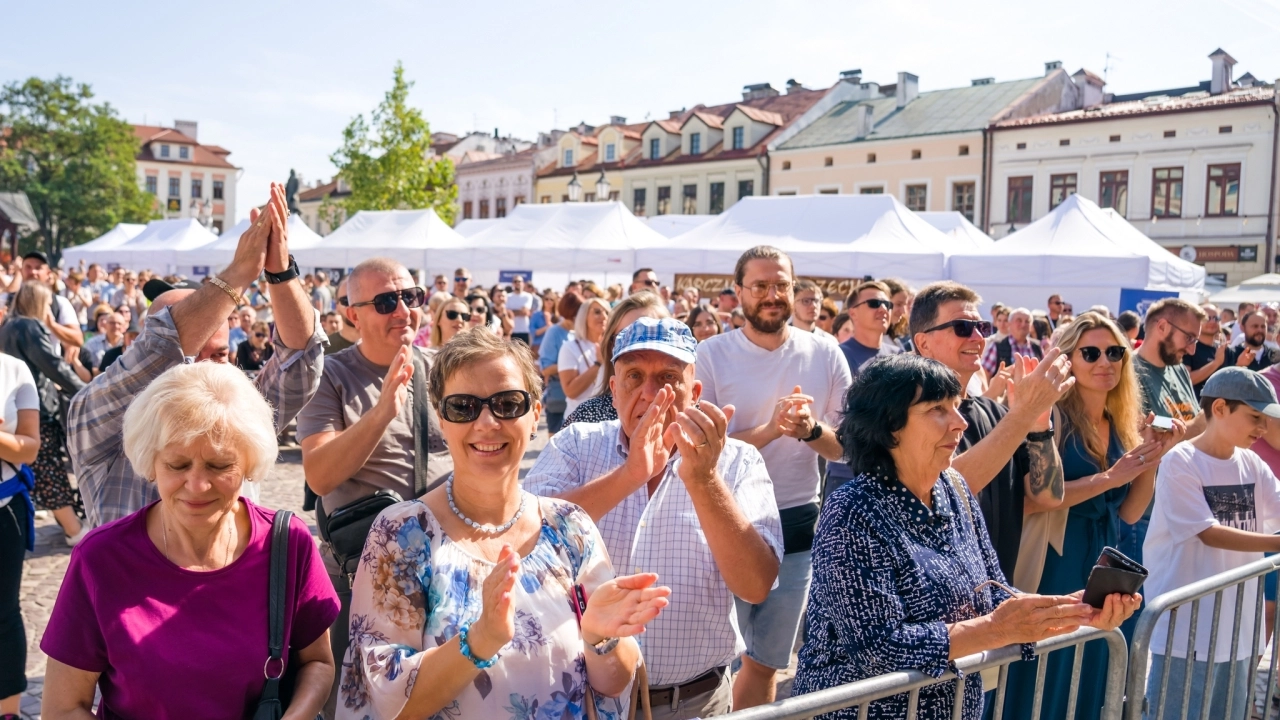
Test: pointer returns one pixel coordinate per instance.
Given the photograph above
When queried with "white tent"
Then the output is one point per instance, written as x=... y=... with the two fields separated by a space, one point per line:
x=218 y=254
x=966 y=235
x=1080 y=251
x=673 y=225
x=845 y=236
x=157 y=247
x=114 y=238
x=409 y=236
x=1260 y=289
x=472 y=226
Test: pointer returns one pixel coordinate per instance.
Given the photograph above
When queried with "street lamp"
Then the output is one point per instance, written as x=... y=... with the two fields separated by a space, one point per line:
x=602 y=187
x=575 y=188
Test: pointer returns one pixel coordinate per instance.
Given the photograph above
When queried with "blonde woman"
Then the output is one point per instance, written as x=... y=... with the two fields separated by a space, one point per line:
x=1109 y=460
x=579 y=362
x=450 y=318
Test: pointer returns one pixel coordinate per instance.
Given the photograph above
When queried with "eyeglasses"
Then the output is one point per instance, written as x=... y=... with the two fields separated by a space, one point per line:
x=461 y=279
x=824 y=317
x=386 y=303
x=649 y=283
x=760 y=290
x=506 y=405
x=876 y=304
x=260 y=336
x=808 y=301
x=1115 y=353
x=965 y=328
x=479 y=309
x=342 y=300
x=1190 y=335
x=455 y=314
x=1211 y=318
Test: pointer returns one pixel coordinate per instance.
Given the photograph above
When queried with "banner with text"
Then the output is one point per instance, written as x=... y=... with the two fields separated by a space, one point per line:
x=710 y=285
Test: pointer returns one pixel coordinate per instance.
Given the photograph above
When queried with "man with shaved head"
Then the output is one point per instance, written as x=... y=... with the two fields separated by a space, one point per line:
x=189 y=324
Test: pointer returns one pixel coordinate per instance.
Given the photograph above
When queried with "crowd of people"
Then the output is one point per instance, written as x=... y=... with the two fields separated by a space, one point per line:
x=887 y=480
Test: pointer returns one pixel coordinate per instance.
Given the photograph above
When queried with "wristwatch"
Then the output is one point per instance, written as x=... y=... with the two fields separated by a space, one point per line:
x=605 y=646
x=289 y=273
x=817 y=433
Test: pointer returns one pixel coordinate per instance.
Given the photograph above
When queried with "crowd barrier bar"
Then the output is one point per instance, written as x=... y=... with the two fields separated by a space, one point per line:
x=1192 y=594
x=863 y=692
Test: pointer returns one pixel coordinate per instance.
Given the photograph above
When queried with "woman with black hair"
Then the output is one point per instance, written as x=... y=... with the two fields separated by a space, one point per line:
x=904 y=575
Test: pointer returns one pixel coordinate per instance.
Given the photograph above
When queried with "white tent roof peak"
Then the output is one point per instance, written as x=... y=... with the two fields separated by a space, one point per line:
x=219 y=253
x=1263 y=288
x=114 y=238
x=403 y=235
x=965 y=234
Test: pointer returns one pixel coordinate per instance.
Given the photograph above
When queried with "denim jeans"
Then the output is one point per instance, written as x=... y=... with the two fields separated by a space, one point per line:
x=1202 y=681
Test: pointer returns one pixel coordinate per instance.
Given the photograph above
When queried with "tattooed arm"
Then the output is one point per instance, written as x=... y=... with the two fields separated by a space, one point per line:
x=1044 y=483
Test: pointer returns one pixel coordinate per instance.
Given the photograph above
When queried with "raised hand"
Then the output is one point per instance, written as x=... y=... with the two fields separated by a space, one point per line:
x=791 y=414
x=277 y=257
x=699 y=433
x=398 y=377
x=622 y=606
x=1166 y=439
x=1246 y=356
x=649 y=452
x=251 y=251
x=1135 y=462
x=497 y=623
x=1036 y=387
x=999 y=382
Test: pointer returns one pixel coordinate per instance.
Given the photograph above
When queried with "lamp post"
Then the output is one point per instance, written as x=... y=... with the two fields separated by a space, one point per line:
x=575 y=188
x=602 y=188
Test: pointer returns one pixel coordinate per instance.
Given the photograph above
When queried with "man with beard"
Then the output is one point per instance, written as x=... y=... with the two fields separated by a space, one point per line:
x=1253 y=352
x=787 y=388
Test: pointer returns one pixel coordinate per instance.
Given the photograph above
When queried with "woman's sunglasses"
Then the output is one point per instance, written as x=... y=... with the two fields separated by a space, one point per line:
x=966 y=328
x=876 y=304
x=455 y=314
x=260 y=336
x=385 y=303
x=1115 y=353
x=506 y=405
x=824 y=317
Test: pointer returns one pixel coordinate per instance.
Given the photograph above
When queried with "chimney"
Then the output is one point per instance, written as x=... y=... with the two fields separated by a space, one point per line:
x=908 y=88
x=1089 y=87
x=617 y=120
x=863 y=122
x=1052 y=65
x=759 y=90
x=982 y=81
x=1220 y=81
x=853 y=76
x=794 y=85
x=1247 y=80
x=188 y=128
x=495 y=134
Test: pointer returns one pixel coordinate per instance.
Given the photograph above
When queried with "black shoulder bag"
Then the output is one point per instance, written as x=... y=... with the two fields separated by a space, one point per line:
x=279 y=689
x=346 y=528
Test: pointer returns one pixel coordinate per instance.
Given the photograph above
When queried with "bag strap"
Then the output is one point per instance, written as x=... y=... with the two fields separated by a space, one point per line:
x=276 y=589
x=421 y=424
x=958 y=484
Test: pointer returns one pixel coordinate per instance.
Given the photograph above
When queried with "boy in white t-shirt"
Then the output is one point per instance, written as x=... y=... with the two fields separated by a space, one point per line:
x=1216 y=504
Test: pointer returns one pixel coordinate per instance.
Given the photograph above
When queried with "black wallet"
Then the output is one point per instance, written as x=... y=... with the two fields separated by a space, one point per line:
x=1113 y=573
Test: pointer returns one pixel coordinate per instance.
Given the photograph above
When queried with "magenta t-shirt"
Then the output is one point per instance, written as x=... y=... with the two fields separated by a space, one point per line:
x=173 y=643
x=1269 y=454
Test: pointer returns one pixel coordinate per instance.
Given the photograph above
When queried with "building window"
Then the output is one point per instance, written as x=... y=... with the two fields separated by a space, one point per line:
x=638 y=200
x=1061 y=187
x=500 y=207
x=217 y=189
x=197 y=187
x=175 y=187
x=1171 y=133
x=151 y=184
x=610 y=152
x=1064 y=142
x=915 y=155
x=1114 y=191
x=964 y=149
x=664 y=200
x=519 y=200
x=873 y=190
x=738 y=137
x=746 y=188
x=1115 y=138
x=786 y=164
x=962 y=199
x=695 y=143
x=564 y=198
x=828 y=161
x=1020 y=199
x=829 y=191
x=568 y=158
x=589 y=197
x=184 y=152
x=544 y=200
x=871 y=158
x=1022 y=146
x=1224 y=129
x=716 y=198
x=164 y=151
x=217 y=225
x=614 y=195
x=1223 y=193
x=466 y=210
x=655 y=148
x=484 y=209
x=917 y=197
x=689 y=196
x=786 y=193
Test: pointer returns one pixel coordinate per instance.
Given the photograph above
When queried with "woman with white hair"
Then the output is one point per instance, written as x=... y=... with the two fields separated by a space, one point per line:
x=165 y=611
x=581 y=374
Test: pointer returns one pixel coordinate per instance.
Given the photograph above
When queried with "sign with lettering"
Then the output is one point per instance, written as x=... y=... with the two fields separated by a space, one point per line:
x=200 y=270
x=1201 y=254
x=710 y=285
x=506 y=276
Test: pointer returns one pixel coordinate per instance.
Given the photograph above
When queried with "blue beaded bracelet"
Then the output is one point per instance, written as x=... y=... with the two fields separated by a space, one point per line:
x=466 y=650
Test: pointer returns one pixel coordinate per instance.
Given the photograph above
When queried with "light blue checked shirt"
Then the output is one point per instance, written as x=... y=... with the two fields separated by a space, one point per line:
x=699 y=629
x=95 y=421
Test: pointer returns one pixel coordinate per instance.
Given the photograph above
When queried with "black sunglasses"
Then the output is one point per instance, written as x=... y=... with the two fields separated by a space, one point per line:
x=1115 y=353
x=876 y=304
x=460 y=279
x=824 y=317
x=965 y=328
x=385 y=303
x=506 y=405
x=649 y=283
x=259 y=335
x=455 y=314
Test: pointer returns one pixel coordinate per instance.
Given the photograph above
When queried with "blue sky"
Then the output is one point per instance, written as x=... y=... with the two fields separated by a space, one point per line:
x=276 y=82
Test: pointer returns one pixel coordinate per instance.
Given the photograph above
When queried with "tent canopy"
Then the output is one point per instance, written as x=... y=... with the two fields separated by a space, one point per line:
x=157 y=247
x=1260 y=289
x=218 y=254
x=472 y=226
x=1079 y=250
x=114 y=238
x=673 y=225
x=964 y=234
x=407 y=236
x=825 y=235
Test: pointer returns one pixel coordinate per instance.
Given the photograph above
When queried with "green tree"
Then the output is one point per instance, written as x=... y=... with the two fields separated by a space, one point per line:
x=75 y=160
x=385 y=161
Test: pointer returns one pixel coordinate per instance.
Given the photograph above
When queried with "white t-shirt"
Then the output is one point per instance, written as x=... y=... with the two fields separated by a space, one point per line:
x=520 y=301
x=63 y=314
x=735 y=371
x=578 y=355
x=17 y=392
x=1195 y=491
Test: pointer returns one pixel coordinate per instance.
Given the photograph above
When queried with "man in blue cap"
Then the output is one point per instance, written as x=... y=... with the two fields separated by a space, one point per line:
x=673 y=494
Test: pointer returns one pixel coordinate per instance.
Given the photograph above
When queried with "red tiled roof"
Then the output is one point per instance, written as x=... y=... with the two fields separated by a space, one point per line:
x=714 y=121
x=671 y=126
x=201 y=155
x=1151 y=106
x=320 y=193
x=764 y=116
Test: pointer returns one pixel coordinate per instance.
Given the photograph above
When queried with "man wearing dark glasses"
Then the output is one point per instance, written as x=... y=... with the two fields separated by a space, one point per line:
x=643 y=279
x=1007 y=454
x=869 y=309
x=461 y=282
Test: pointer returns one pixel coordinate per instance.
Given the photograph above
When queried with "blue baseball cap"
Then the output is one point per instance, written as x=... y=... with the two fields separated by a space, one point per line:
x=666 y=335
x=1246 y=386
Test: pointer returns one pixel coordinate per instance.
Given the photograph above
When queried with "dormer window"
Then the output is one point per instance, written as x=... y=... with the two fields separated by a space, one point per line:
x=164 y=151
x=655 y=148
x=738 y=137
x=695 y=143
x=184 y=152
x=568 y=157
x=610 y=152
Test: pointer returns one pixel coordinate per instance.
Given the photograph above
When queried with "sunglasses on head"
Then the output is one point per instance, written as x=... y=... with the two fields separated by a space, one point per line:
x=455 y=314
x=966 y=328
x=385 y=303
x=876 y=304
x=506 y=405
x=1115 y=353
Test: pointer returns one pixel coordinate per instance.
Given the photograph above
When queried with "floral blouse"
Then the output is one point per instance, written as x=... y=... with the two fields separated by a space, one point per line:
x=415 y=588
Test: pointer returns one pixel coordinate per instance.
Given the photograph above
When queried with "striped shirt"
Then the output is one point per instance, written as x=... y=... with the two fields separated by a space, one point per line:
x=698 y=631
x=95 y=422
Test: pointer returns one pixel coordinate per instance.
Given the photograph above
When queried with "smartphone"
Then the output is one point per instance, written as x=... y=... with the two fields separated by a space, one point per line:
x=1162 y=424
x=1113 y=573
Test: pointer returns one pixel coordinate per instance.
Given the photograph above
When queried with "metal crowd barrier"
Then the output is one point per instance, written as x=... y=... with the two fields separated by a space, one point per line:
x=861 y=693
x=1174 y=602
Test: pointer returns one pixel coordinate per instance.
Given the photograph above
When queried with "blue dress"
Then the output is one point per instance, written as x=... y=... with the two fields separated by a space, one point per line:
x=888 y=575
x=1091 y=526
